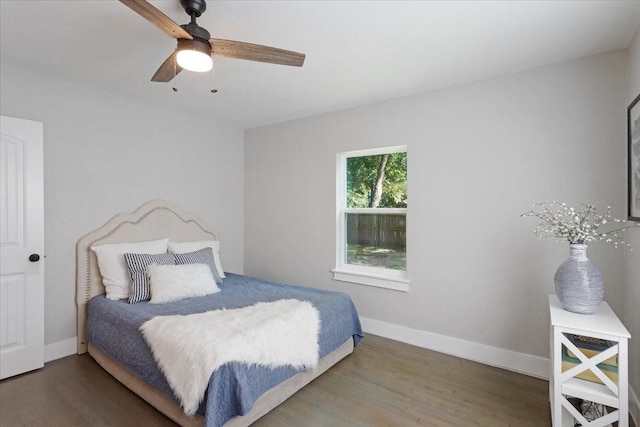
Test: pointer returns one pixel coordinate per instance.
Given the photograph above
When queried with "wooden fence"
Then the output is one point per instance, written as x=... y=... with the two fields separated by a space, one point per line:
x=380 y=230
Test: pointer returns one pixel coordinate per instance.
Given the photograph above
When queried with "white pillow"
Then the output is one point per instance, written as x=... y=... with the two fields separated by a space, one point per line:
x=182 y=247
x=113 y=267
x=175 y=282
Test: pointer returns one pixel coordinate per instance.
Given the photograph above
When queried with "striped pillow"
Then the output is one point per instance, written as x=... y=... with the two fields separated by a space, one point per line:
x=139 y=288
x=203 y=256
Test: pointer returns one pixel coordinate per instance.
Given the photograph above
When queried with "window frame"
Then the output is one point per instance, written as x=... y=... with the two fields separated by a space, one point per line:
x=370 y=276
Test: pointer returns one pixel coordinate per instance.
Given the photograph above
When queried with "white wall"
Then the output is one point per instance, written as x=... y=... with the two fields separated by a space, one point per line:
x=105 y=154
x=479 y=155
x=632 y=259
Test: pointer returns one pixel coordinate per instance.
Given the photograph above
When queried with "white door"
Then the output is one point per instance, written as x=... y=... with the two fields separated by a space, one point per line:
x=21 y=246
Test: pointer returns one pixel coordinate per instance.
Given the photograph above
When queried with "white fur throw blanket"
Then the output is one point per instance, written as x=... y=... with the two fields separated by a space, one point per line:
x=190 y=348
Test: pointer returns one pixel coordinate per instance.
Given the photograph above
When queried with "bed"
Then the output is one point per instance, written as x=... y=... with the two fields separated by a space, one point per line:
x=237 y=393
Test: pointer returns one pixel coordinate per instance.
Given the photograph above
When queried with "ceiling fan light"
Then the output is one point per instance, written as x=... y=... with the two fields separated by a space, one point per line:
x=194 y=55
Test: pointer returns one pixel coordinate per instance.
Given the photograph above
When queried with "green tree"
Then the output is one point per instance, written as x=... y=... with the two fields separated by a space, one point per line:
x=377 y=181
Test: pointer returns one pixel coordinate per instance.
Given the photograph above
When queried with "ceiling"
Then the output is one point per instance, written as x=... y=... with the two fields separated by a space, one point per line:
x=358 y=52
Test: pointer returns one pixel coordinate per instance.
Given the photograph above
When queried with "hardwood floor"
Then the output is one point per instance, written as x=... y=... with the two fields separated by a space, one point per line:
x=383 y=383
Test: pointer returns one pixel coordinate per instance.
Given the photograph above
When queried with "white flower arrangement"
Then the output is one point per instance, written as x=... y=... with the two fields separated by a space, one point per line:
x=576 y=226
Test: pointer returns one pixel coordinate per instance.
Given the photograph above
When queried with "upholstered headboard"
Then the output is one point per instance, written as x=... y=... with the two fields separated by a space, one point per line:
x=156 y=219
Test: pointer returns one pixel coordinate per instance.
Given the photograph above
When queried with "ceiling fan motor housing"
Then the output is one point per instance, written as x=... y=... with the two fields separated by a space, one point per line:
x=196 y=31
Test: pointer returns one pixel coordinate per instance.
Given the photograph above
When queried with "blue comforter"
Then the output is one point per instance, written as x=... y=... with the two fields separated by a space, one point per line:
x=113 y=328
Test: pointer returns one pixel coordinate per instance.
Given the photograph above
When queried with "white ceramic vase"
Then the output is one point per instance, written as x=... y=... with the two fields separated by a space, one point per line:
x=578 y=282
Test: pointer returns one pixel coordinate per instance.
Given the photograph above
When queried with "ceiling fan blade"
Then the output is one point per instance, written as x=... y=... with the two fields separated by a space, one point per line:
x=157 y=18
x=168 y=70
x=255 y=52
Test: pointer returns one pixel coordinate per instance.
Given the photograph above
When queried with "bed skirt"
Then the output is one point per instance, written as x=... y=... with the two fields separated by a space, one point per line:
x=263 y=405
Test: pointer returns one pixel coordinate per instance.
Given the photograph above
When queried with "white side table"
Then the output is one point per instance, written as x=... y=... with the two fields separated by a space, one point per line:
x=604 y=324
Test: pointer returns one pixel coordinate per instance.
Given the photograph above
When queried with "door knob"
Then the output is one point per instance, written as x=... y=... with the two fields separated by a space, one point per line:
x=34 y=257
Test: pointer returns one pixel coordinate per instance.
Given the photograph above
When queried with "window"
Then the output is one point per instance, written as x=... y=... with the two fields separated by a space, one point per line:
x=371 y=219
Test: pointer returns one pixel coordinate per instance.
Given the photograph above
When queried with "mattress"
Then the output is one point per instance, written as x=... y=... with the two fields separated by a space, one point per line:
x=113 y=329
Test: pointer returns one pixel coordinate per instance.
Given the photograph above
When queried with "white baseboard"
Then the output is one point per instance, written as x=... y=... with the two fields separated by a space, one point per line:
x=534 y=366
x=60 y=349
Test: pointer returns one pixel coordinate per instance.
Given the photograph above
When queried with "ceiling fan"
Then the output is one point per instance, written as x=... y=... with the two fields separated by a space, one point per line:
x=196 y=47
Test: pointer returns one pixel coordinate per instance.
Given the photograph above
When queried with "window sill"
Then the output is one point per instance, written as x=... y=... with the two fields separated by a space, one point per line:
x=367 y=278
